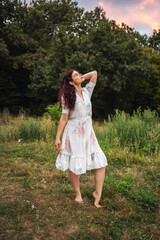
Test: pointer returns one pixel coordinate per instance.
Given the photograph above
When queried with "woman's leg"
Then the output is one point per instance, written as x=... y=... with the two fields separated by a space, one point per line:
x=99 y=180
x=76 y=185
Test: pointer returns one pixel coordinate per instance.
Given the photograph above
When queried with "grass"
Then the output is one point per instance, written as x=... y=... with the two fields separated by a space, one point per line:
x=37 y=200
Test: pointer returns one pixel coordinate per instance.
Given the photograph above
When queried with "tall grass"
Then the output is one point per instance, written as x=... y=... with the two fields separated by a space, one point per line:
x=26 y=128
x=139 y=131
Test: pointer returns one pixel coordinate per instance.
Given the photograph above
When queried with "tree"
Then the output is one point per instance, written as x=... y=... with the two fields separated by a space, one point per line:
x=40 y=42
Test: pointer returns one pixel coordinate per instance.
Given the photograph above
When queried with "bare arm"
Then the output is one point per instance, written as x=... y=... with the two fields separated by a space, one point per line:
x=92 y=76
x=62 y=122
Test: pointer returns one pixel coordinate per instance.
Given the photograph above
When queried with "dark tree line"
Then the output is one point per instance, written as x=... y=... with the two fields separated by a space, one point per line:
x=40 y=41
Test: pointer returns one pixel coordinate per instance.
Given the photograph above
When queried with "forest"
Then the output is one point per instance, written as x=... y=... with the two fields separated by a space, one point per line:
x=40 y=41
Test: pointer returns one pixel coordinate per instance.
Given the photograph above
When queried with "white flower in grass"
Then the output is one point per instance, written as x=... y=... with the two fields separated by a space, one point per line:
x=30 y=204
x=19 y=140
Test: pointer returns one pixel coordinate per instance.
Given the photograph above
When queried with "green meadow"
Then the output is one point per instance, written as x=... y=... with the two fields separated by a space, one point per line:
x=37 y=200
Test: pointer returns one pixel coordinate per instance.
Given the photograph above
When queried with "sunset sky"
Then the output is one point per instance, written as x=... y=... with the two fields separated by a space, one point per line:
x=142 y=15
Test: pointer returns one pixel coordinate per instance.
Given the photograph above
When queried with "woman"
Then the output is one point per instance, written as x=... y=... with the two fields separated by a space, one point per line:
x=80 y=150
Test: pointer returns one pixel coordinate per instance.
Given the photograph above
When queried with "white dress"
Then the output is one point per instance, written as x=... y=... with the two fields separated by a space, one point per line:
x=80 y=150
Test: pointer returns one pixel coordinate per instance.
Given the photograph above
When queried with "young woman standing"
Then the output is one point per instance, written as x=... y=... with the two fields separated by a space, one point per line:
x=80 y=150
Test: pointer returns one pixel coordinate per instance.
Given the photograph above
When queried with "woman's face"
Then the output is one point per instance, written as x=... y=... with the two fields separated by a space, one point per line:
x=77 y=78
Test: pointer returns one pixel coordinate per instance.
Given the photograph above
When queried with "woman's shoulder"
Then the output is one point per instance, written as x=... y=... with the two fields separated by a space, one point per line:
x=84 y=89
x=91 y=84
x=89 y=88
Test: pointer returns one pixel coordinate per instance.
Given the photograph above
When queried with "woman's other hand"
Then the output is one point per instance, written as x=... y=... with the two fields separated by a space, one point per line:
x=58 y=144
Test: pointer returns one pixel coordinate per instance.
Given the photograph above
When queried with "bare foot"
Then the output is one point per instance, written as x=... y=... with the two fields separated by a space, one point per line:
x=97 y=199
x=78 y=198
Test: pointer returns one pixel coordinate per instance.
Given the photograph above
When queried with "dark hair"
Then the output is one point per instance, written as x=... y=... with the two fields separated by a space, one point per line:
x=67 y=91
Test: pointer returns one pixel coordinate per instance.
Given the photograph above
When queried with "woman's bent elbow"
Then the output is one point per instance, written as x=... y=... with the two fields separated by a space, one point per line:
x=95 y=72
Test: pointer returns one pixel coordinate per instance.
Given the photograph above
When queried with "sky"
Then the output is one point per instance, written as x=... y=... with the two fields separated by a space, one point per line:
x=142 y=15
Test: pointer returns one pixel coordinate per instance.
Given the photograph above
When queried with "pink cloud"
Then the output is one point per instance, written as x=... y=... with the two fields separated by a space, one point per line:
x=138 y=14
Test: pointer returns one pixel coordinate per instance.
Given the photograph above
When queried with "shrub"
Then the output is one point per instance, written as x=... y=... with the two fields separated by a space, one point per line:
x=53 y=111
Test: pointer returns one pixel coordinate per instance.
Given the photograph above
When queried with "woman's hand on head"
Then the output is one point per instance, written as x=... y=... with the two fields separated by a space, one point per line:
x=58 y=144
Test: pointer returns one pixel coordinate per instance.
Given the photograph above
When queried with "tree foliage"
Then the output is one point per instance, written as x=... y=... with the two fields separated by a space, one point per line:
x=40 y=41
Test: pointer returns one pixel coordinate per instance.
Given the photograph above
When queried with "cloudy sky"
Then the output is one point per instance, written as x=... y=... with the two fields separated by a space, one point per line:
x=142 y=15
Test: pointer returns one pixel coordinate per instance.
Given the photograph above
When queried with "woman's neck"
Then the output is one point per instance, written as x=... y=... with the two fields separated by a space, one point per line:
x=79 y=89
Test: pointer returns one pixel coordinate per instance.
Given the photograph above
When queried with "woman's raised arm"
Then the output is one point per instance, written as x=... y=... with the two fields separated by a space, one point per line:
x=92 y=76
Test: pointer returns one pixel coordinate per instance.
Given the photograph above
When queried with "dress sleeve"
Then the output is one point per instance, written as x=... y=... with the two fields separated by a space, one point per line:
x=64 y=108
x=90 y=86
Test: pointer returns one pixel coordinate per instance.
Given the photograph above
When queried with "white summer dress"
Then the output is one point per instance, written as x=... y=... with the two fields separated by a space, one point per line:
x=80 y=150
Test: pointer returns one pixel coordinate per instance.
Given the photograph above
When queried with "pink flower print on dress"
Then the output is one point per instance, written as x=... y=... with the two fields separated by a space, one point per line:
x=67 y=144
x=81 y=131
x=92 y=138
x=60 y=154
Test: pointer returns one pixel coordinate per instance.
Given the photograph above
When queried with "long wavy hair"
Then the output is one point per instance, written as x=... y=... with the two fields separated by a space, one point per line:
x=67 y=91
